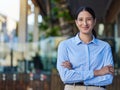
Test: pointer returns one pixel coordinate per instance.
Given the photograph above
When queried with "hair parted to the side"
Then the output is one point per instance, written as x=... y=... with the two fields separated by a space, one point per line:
x=90 y=10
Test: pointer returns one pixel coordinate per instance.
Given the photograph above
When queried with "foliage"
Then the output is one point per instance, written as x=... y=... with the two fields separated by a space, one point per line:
x=48 y=29
x=54 y=31
x=51 y=25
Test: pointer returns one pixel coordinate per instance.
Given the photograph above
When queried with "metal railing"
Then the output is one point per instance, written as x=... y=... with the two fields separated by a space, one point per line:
x=28 y=82
x=23 y=82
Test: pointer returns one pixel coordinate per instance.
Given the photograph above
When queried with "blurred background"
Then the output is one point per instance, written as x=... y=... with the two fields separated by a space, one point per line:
x=30 y=31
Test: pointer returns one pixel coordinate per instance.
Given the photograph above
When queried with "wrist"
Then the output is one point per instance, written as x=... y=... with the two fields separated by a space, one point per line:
x=97 y=73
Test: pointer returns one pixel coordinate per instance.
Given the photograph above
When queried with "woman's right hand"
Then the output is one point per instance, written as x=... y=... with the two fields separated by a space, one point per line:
x=105 y=70
x=67 y=64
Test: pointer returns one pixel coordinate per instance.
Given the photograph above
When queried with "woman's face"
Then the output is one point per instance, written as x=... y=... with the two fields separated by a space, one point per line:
x=85 y=22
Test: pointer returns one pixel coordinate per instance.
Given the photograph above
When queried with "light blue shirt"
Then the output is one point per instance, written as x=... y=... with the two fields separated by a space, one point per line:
x=85 y=58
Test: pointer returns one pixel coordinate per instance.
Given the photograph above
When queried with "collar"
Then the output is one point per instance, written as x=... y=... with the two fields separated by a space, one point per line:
x=79 y=41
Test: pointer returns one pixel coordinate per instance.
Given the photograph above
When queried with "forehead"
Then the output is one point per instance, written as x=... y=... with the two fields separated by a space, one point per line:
x=84 y=13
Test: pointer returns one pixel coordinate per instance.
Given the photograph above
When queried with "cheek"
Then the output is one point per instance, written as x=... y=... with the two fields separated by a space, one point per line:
x=91 y=25
x=77 y=24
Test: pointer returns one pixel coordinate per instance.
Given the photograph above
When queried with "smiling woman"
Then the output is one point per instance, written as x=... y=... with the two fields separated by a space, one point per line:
x=10 y=9
x=84 y=60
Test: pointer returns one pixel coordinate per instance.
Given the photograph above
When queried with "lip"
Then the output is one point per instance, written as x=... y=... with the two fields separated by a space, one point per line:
x=85 y=28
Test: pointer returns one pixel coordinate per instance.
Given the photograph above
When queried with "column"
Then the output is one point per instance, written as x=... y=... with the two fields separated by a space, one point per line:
x=36 y=30
x=22 y=26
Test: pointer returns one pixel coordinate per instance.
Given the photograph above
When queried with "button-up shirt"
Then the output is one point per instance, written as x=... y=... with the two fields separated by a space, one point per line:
x=84 y=58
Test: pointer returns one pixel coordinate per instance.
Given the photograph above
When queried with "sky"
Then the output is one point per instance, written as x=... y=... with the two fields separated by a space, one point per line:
x=10 y=8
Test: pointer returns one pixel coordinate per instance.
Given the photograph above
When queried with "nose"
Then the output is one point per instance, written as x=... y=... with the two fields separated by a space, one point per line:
x=85 y=22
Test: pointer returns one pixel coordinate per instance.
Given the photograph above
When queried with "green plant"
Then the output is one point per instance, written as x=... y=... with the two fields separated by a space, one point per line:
x=51 y=25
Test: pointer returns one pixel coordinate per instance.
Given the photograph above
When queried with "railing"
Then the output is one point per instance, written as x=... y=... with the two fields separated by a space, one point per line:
x=23 y=82
x=28 y=82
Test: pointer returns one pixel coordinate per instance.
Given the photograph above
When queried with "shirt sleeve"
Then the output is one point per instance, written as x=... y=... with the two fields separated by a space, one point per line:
x=105 y=79
x=100 y=80
x=70 y=76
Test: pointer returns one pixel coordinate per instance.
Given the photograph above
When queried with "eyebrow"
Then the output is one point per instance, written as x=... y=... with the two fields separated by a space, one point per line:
x=86 y=17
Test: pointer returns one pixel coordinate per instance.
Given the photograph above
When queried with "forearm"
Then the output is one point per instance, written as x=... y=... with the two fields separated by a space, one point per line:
x=100 y=80
x=71 y=76
x=105 y=70
x=97 y=73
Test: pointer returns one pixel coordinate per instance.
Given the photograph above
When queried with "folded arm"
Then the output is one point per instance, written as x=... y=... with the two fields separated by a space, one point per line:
x=70 y=75
x=103 y=76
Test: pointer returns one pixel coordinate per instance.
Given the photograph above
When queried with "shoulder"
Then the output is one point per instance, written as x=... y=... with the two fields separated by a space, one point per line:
x=66 y=42
x=103 y=43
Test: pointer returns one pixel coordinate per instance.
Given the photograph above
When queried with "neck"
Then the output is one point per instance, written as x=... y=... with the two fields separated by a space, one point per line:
x=86 y=38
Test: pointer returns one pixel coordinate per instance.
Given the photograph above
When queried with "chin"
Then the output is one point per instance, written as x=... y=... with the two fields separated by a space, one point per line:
x=87 y=33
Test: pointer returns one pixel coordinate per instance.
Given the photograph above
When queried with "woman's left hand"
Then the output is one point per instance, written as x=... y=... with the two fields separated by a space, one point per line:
x=67 y=64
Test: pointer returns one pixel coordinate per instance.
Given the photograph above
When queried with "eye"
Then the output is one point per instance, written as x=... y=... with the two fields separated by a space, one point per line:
x=79 y=19
x=89 y=19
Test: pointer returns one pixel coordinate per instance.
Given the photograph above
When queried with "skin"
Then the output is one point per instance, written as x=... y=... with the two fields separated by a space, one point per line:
x=85 y=23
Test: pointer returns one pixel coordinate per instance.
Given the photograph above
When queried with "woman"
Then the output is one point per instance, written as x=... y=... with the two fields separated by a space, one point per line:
x=85 y=62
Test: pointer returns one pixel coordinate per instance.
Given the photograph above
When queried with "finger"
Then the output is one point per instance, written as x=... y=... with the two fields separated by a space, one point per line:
x=62 y=63
x=112 y=73
x=112 y=70
x=65 y=64
x=68 y=63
